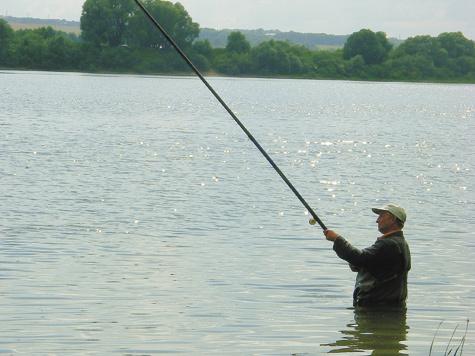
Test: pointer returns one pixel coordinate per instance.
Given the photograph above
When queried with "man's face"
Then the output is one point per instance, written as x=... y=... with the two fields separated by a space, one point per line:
x=385 y=222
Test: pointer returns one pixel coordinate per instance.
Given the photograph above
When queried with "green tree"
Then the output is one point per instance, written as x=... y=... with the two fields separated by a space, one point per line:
x=173 y=18
x=185 y=30
x=355 y=67
x=106 y=21
x=233 y=63
x=296 y=65
x=204 y=48
x=46 y=48
x=456 y=44
x=116 y=58
x=387 y=46
x=374 y=47
x=419 y=45
x=272 y=57
x=234 y=59
x=63 y=53
x=6 y=38
x=328 y=64
x=301 y=59
x=465 y=64
x=58 y=51
x=237 y=43
x=450 y=55
x=202 y=55
x=421 y=48
x=30 y=49
x=200 y=61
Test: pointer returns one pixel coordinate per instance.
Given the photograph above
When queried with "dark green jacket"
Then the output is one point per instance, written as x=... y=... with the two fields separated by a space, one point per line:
x=382 y=269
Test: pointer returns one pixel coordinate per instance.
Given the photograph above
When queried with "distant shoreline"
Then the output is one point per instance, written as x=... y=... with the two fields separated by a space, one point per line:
x=303 y=56
x=38 y=21
x=218 y=38
x=212 y=73
x=29 y=23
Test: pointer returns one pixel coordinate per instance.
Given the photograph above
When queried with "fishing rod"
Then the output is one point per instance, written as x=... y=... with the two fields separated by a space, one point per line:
x=315 y=218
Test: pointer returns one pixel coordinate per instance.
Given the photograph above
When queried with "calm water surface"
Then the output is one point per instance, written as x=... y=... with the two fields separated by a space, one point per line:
x=136 y=217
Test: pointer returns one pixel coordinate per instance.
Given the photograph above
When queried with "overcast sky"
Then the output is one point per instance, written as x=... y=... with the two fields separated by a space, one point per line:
x=398 y=18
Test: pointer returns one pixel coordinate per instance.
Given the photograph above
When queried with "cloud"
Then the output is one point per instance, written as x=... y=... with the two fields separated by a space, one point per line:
x=396 y=17
x=405 y=18
x=55 y=9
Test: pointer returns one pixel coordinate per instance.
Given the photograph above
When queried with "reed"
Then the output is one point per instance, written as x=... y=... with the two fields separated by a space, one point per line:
x=451 y=349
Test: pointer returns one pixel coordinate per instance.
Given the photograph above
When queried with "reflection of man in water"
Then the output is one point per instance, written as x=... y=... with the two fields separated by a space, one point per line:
x=383 y=267
x=378 y=329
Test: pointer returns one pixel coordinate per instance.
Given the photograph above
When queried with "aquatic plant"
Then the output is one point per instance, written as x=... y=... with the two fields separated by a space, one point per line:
x=449 y=349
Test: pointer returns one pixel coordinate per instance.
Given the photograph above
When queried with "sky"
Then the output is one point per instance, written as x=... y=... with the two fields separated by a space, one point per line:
x=398 y=18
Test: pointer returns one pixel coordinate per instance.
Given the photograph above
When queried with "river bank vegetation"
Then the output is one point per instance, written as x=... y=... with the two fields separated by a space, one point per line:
x=117 y=37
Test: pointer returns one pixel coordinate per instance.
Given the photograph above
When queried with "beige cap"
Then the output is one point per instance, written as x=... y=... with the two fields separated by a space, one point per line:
x=395 y=209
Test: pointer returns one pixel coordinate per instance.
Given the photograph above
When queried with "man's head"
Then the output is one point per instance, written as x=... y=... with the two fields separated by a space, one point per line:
x=391 y=217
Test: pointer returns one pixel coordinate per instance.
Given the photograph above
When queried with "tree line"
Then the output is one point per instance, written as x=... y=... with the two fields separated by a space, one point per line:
x=117 y=37
x=315 y=41
x=42 y=22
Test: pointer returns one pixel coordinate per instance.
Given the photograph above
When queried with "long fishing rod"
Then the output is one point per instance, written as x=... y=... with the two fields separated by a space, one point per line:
x=259 y=147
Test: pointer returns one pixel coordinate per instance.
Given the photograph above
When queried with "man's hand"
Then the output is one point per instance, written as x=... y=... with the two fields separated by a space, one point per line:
x=330 y=235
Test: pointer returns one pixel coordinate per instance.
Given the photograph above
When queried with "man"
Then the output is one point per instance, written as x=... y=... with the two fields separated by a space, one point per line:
x=383 y=267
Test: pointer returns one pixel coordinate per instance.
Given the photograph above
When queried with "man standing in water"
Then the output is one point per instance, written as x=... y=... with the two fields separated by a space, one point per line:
x=383 y=267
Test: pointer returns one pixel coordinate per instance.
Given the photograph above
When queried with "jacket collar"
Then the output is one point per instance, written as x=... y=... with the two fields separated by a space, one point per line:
x=389 y=233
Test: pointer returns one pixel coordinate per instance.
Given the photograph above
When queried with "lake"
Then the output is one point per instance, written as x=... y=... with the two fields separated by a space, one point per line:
x=138 y=219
